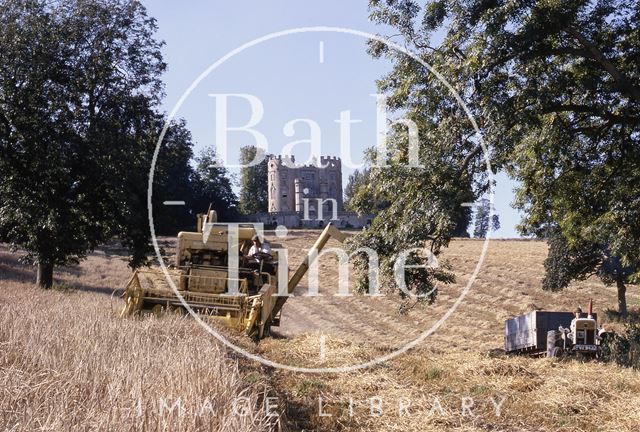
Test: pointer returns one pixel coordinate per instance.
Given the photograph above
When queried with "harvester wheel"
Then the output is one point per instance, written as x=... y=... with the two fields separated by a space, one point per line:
x=157 y=310
x=179 y=311
x=132 y=303
x=265 y=330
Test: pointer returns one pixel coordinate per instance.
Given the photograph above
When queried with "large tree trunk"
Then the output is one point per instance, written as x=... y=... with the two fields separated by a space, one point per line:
x=622 y=296
x=45 y=275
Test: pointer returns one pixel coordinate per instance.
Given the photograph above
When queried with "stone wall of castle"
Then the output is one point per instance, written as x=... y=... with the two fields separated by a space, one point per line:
x=290 y=184
x=344 y=220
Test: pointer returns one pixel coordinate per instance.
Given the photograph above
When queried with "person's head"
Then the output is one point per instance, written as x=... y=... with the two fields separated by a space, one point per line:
x=256 y=240
x=578 y=312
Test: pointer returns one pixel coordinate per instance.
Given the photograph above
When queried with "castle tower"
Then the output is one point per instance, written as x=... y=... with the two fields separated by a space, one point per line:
x=280 y=184
x=333 y=177
x=286 y=183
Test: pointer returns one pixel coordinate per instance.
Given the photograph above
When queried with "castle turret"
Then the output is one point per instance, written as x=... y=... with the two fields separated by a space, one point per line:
x=274 y=183
x=299 y=197
x=281 y=185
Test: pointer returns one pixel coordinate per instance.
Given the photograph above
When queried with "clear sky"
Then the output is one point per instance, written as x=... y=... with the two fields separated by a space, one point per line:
x=312 y=75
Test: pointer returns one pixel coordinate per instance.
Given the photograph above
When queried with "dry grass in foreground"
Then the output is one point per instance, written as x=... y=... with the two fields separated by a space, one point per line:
x=68 y=363
x=428 y=390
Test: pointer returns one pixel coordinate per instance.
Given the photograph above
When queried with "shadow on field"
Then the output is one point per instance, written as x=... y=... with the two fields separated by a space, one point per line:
x=116 y=291
x=275 y=334
x=12 y=269
x=113 y=248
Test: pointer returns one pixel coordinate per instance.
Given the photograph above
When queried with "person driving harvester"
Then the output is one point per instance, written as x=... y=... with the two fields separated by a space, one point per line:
x=259 y=256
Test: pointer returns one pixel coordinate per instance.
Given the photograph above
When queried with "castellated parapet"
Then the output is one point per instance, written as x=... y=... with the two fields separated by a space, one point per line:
x=290 y=184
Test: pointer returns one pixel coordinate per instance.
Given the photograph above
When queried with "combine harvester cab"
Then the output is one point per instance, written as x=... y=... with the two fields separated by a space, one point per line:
x=202 y=276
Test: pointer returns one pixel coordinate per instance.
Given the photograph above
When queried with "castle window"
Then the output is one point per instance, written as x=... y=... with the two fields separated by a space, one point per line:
x=309 y=175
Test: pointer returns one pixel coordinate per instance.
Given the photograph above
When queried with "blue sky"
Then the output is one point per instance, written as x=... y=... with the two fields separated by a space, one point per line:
x=313 y=75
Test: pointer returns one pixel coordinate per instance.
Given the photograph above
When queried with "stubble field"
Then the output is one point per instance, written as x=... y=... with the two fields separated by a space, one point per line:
x=68 y=363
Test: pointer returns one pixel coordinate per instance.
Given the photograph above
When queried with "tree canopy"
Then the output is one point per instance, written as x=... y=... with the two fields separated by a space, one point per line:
x=358 y=197
x=212 y=185
x=554 y=88
x=78 y=82
x=484 y=219
x=79 y=122
x=254 y=194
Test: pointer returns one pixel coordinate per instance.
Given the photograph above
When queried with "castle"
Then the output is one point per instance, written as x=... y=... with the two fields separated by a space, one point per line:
x=305 y=195
x=289 y=185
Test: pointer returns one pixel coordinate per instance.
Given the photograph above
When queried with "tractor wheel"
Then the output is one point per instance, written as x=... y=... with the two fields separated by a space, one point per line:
x=552 y=340
x=557 y=352
x=585 y=357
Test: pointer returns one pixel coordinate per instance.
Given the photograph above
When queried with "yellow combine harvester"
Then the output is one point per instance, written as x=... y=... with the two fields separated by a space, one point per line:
x=244 y=299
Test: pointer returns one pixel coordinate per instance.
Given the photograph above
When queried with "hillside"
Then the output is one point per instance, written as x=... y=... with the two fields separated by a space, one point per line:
x=67 y=348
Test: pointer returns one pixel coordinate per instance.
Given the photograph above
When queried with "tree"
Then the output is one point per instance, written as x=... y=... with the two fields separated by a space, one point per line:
x=485 y=220
x=360 y=198
x=424 y=210
x=353 y=184
x=173 y=178
x=567 y=262
x=554 y=87
x=254 y=196
x=212 y=185
x=78 y=84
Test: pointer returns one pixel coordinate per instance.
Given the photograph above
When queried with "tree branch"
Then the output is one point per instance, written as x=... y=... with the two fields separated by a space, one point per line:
x=606 y=64
x=467 y=160
x=587 y=109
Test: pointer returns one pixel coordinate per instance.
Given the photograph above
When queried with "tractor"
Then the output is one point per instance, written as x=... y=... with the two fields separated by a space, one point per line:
x=554 y=334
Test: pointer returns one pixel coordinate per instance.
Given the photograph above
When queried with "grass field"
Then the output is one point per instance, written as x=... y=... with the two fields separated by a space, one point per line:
x=68 y=363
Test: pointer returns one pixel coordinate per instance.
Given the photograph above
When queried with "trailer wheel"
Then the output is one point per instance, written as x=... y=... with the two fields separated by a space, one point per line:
x=552 y=340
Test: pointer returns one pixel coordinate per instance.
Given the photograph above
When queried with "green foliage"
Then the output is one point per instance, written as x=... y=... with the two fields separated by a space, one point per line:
x=78 y=83
x=434 y=373
x=563 y=263
x=362 y=199
x=579 y=260
x=79 y=92
x=212 y=185
x=173 y=176
x=253 y=181
x=623 y=349
x=554 y=88
x=412 y=221
x=485 y=220
x=462 y=220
